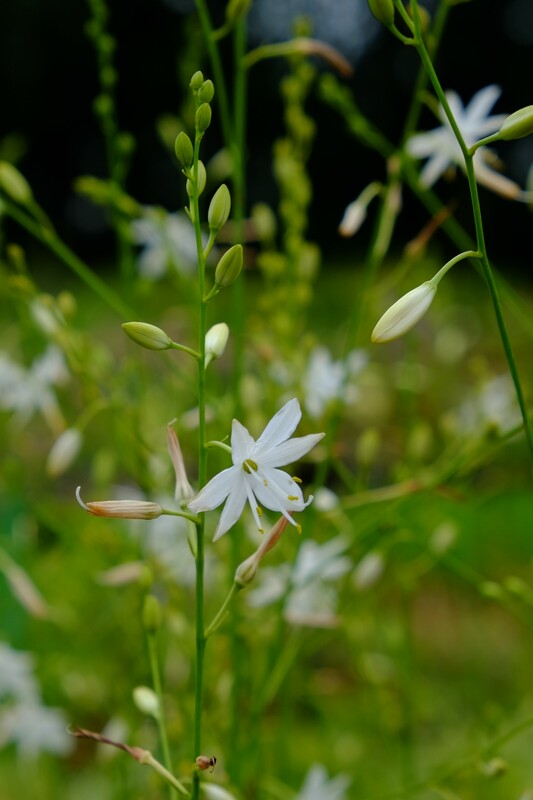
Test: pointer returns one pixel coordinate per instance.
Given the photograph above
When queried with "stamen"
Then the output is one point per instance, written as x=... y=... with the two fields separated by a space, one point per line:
x=259 y=511
x=250 y=465
x=296 y=479
x=299 y=528
x=80 y=501
x=292 y=497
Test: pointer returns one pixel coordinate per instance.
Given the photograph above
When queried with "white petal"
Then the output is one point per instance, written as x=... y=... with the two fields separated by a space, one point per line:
x=281 y=427
x=434 y=169
x=487 y=126
x=215 y=492
x=496 y=182
x=273 y=489
x=290 y=451
x=426 y=144
x=232 y=510
x=254 y=505
x=241 y=443
x=482 y=102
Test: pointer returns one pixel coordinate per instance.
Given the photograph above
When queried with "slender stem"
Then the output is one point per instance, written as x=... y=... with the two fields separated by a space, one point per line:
x=156 y=680
x=222 y=613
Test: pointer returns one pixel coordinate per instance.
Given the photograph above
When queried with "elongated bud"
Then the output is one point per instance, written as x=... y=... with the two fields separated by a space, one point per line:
x=219 y=208
x=203 y=117
x=405 y=313
x=216 y=340
x=206 y=92
x=63 y=452
x=14 y=184
x=183 y=491
x=147 y=335
x=236 y=10
x=245 y=572
x=146 y=701
x=151 y=614
x=383 y=11
x=229 y=267
x=184 y=149
x=202 y=177
x=518 y=124
x=355 y=213
x=121 y=509
x=196 y=81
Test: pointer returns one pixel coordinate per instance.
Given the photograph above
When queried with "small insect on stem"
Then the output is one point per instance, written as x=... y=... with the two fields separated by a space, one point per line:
x=204 y=762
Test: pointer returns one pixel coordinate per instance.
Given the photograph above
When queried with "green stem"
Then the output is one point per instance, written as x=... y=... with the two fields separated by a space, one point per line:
x=156 y=680
x=222 y=613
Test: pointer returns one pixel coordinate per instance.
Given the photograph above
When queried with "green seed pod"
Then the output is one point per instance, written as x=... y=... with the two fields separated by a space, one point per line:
x=203 y=117
x=383 y=11
x=14 y=184
x=184 y=149
x=229 y=267
x=219 y=208
x=517 y=125
x=151 y=614
x=147 y=335
x=196 y=81
x=206 y=92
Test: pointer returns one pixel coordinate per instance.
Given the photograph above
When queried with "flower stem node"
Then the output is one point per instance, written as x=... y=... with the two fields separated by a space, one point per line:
x=383 y=11
x=151 y=614
x=518 y=124
x=203 y=117
x=229 y=267
x=216 y=340
x=146 y=335
x=14 y=184
x=121 y=509
x=184 y=149
x=219 y=208
x=206 y=92
x=196 y=81
x=405 y=313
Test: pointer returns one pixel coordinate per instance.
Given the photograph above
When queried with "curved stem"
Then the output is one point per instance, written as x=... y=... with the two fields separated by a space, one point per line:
x=222 y=613
x=156 y=680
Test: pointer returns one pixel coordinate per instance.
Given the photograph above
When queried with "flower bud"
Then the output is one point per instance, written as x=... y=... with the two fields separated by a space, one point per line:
x=216 y=340
x=229 y=267
x=382 y=10
x=236 y=10
x=146 y=701
x=245 y=572
x=151 y=614
x=63 y=452
x=203 y=117
x=121 y=509
x=183 y=491
x=517 y=125
x=404 y=313
x=14 y=184
x=147 y=335
x=206 y=92
x=183 y=149
x=196 y=81
x=202 y=177
x=219 y=208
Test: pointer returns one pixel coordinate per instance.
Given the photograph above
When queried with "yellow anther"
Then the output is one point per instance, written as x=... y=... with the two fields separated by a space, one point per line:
x=292 y=497
x=250 y=465
x=298 y=528
x=296 y=479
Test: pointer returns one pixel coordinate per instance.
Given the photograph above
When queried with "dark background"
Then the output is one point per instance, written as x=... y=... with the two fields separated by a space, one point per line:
x=49 y=81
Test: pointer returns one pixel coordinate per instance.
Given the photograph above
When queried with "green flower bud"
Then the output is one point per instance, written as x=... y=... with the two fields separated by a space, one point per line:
x=236 y=10
x=184 y=149
x=147 y=335
x=216 y=340
x=517 y=125
x=151 y=614
x=202 y=177
x=404 y=313
x=14 y=184
x=146 y=701
x=206 y=92
x=229 y=267
x=196 y=81
x=383 y=11
x=219 y=208
x=203 y=117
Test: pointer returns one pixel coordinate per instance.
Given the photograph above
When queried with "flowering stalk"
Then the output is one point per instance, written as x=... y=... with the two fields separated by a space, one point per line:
x=478 y=222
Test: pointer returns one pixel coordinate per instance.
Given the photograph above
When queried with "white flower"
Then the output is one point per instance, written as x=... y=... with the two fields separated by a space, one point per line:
x=442 y=150
x=168 y=241
x=254 y=476
x=326 y=380
x=27 y=390
x=35 y=729
x=318 y=785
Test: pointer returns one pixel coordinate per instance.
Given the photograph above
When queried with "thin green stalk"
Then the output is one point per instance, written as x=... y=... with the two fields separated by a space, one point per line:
x=153 y=656
x=223 y=611
x=478 y=222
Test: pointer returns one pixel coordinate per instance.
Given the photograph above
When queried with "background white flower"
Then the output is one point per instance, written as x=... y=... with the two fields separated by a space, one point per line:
x=318 y=786
x=326 y=380
x=168 y=241
x=27 y=390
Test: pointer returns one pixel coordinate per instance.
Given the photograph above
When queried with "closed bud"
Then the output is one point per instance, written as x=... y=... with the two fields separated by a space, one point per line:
x=219 y=208
x=121 y=509
x=202 y=177
x=203 y=117
x=14 y=184
x=183 y=149
x=151 y=614
x=229 y=267
x=517 y=125
x=146 y=701
x=216 y=340
x=196 y=81
x=147 y=335
x=236 y=10
x=206 y=92
x=383 y=11
x=404 y=313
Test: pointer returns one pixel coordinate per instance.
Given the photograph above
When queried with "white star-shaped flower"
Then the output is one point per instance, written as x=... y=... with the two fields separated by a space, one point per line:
x=442 y=150
x=254 y=476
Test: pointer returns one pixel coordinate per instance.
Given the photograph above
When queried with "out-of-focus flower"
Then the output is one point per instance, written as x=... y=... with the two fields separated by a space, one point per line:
x=16 y=674
x=355 y=213
x=311 y=596
x=254 y=476
x=63 y=452
x=35 y=729
x=492 y=405
x=442 y=150
x=318 y=785
x=327 y=380
x=28 y=390
x=168 y=243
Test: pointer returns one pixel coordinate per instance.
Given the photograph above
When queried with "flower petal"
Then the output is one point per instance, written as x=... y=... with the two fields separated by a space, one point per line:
x=273 y=488
x=481 y=103
x=232 y=510
x=281 y=427
x=291 y=450
x=215 y=492
x=241 y=443
x=434 y=168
